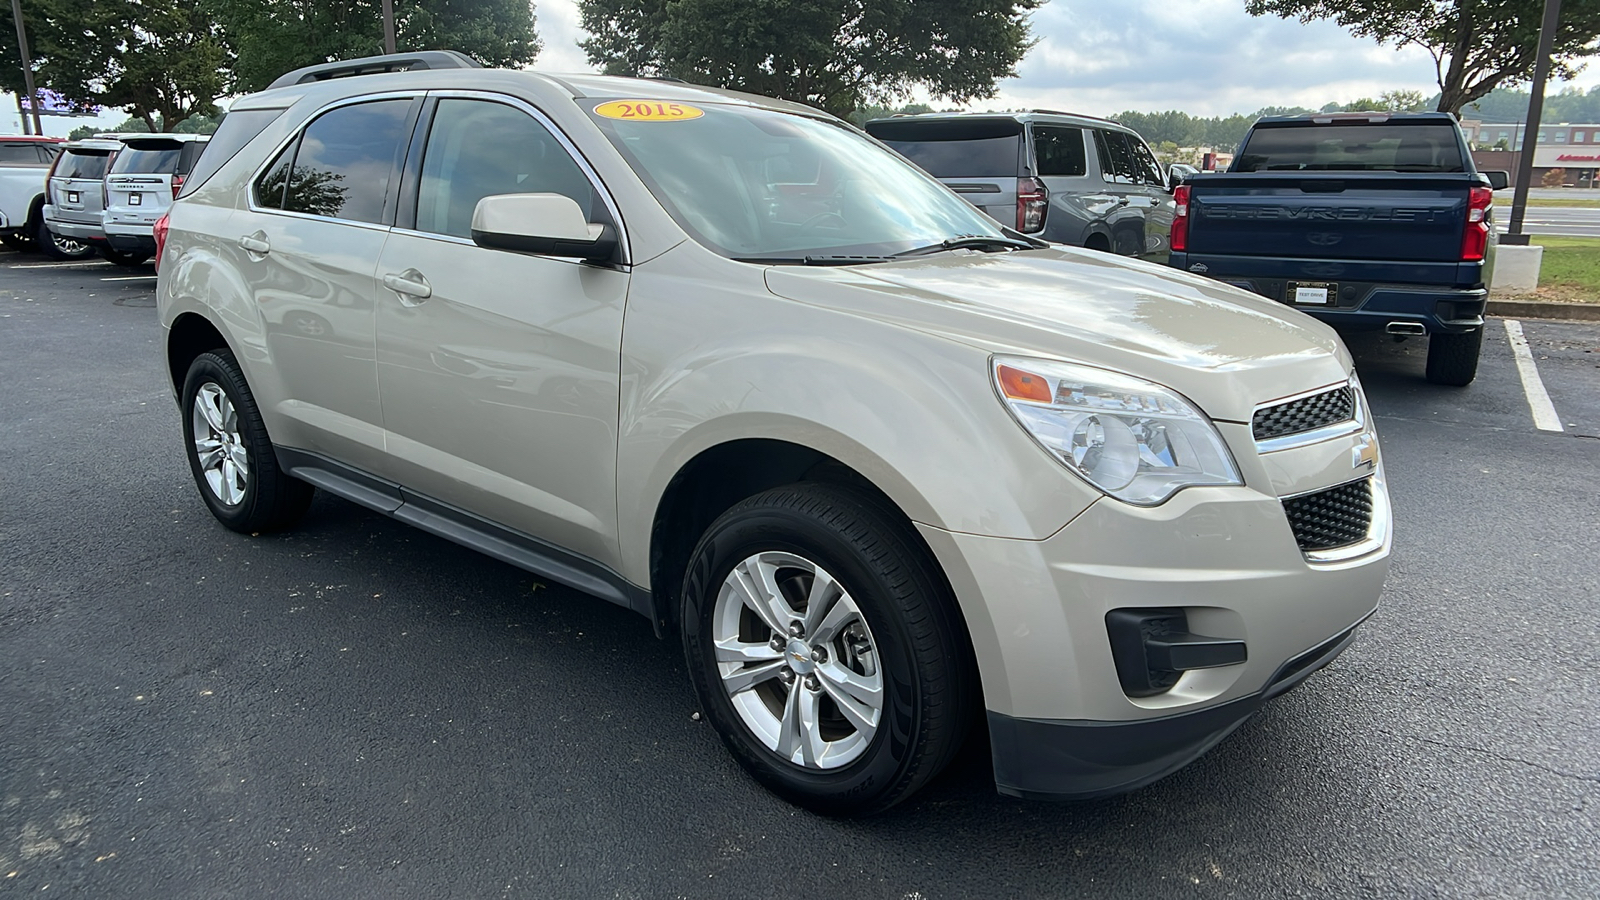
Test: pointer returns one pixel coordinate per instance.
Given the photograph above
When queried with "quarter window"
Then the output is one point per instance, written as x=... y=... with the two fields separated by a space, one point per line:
x=477 y=149
x=1059 y=151
x=345 y=161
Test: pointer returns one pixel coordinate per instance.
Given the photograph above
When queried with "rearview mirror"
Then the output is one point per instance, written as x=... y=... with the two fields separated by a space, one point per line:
x=1498 y=180
x=547 y=224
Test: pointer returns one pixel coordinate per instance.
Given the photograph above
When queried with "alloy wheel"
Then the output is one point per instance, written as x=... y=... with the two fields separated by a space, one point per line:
x=218 y=445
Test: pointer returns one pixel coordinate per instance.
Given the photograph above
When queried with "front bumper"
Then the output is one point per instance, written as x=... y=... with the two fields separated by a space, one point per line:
x=1061 y=723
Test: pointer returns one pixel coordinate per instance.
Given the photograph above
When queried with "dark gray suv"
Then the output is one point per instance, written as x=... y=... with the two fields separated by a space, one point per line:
x=1066 y=178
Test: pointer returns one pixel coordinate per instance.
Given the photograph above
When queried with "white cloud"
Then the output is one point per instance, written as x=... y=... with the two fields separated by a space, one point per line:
x=560 y=31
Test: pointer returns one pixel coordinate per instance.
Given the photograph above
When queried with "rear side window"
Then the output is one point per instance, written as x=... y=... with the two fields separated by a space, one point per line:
x=959 y=148
x=83 y=164
x=19 y=153
x=148 y=158
x=1059 y=151
x=237 y=129
x=346 y=159
x=1352 y=147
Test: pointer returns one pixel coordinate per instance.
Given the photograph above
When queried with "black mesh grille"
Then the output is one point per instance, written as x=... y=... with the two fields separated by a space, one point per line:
x=1306 y=414
x=1337 y=517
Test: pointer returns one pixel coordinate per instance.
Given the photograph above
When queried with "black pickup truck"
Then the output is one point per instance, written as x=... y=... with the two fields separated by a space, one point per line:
x=1366 y=221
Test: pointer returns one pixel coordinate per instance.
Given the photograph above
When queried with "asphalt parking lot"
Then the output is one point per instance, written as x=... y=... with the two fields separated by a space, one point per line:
x=357 y=709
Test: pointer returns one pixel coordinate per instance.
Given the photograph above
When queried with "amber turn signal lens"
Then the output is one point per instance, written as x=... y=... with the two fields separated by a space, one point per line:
x=1020 y=385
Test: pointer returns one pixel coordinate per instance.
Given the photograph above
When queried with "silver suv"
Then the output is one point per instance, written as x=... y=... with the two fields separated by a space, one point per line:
x=881 y=464
x=1067 y=178
x=75 y=196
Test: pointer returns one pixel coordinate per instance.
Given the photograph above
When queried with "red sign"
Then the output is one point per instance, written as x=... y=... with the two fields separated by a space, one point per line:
x=1569 y=157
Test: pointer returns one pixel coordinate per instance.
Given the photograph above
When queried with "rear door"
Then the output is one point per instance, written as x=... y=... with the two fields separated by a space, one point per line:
x=1078 y=199
x=978 y=158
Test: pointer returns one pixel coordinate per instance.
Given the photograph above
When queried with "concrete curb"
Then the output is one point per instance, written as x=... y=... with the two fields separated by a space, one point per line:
x=1544 y=309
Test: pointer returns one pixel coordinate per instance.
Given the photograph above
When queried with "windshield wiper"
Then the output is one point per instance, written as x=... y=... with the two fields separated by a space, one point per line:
x=970 y=242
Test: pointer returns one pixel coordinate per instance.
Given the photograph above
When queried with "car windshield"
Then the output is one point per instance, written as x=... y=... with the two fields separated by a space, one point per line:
x=762 y=185
x=1352 y=146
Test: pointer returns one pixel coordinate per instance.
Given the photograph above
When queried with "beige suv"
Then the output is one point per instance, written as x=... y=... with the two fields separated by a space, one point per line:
x=881 y=464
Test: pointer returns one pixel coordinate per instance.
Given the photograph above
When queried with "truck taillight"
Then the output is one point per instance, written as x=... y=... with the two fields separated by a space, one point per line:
x=1475 y=240
x=1178 y=238
x=160 y=234
x=1032 y=199
x=177 y=185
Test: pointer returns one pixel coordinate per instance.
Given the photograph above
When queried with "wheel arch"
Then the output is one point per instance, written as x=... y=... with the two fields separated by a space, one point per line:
x=190 y=335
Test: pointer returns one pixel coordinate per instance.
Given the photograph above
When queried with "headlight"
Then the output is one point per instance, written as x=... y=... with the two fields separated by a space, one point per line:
x=1133 y=439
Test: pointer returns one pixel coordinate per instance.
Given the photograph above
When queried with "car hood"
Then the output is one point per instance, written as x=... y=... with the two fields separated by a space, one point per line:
x=1226 y=349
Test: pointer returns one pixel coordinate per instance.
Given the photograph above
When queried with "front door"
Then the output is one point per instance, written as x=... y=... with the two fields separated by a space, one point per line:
x=498 y=370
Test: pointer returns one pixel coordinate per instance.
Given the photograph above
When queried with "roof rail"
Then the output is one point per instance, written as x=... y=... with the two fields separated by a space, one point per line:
x=375 y=65
x=1062 y=112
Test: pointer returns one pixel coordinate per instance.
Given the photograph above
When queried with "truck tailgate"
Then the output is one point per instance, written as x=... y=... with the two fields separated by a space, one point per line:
x=1329 y=215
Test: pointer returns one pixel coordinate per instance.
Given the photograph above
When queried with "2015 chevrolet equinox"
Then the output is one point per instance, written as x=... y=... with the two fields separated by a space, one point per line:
x=731 y=363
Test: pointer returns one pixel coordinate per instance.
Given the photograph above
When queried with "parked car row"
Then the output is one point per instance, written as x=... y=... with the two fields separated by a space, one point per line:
x=1363 y=220
x=71 y=200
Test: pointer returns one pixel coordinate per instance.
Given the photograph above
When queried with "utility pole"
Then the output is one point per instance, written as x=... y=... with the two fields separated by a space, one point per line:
x=27 y=71
x=388 y=25
x=1541 y=74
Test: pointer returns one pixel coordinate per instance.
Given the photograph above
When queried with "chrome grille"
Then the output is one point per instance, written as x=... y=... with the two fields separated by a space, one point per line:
x=1337 y=517
x=1305 y=414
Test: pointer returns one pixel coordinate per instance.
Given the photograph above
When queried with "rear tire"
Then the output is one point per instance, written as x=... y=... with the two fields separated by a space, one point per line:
x=130 y=260
x=859 y=713
x=1453 y=358
x=57 y=247
x=230 y=453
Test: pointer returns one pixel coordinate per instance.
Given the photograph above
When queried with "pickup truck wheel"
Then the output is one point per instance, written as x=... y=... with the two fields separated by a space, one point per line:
x=230 y=453
x=1453 y=358
x=825 y=649
x=57 y=247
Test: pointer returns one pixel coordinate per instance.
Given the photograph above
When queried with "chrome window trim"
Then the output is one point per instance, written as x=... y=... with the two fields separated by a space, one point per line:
x=294 y=135
x=1354 y=425
x=549 y=124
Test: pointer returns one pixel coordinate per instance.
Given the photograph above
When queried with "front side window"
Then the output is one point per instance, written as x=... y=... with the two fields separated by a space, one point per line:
x=1149 y=169
x=1116 y=158
x=17 y=153
x=758 y=184
x=477 y=149
x=346 y=159
x=1059 y=151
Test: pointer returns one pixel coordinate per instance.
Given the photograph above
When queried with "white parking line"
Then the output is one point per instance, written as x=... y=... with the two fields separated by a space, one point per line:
x=131 y=278
x=1544 y=412
x=65 y=265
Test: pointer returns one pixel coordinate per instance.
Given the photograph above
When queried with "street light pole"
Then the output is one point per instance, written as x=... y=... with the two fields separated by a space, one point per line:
x=1541 y=74
x=27 y=71
x=388 y=25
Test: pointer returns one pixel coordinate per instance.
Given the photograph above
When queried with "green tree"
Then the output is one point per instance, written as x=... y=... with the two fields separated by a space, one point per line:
x=1476 y=45
x=835 y=55
x=271 y=37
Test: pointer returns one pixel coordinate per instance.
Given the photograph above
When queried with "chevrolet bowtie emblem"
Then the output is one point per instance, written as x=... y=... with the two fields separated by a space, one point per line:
x=1365 y=453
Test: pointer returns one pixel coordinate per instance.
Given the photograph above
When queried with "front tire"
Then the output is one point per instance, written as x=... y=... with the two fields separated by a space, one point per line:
x=1453 y=358
x=229 y=451
x=826 y=649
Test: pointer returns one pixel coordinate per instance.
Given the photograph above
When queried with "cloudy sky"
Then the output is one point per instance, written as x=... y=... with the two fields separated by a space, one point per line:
x=1206 y=57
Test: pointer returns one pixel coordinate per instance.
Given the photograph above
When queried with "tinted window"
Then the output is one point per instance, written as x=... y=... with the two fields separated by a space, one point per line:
x=988 y=157
x=83 y=164
x=346 y=160
x=237 y=129
x=1149 y=169
x=1059 y=151
x=1116 y=157
x=148 y=158
x=478 y=149
x=269 y=187
x=20 y=154
x=1352 y=146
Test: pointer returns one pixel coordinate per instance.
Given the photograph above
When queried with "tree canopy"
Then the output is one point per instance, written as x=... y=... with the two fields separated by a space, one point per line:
x=835 y=54
x=271 y=37
x=1476 y=45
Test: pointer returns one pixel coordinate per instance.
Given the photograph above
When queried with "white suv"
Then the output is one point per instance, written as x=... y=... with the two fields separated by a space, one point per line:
x=144 y=178
x=881 y=464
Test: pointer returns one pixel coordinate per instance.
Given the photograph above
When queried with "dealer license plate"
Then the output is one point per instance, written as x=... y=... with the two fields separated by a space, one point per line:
x=135 y=199
x=1312 y=293
x=74 y=197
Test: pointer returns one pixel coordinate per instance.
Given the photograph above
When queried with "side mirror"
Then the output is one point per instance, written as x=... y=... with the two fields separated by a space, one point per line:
x=547 y=224
x=1498 y=179
x=1174 y=178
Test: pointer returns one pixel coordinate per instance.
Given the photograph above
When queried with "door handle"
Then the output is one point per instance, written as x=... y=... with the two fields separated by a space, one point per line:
x=256 y=245
x=410 y=285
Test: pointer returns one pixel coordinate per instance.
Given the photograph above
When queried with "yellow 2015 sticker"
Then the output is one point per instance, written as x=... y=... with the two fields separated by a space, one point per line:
x=648 y=111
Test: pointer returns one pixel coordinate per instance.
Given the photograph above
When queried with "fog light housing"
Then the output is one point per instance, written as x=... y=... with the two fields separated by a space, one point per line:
x=1152 y=649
